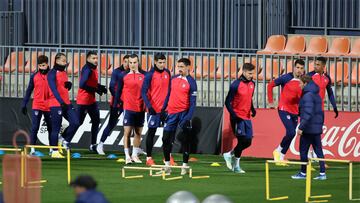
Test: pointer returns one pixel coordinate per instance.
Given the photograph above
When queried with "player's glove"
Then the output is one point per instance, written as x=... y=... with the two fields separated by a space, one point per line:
x=64 y=107
x=68 y=85
x=152 y=111
x=336 y=112
x=24 y=110
x=253 y=112
x=102 y=88
x=163 y=115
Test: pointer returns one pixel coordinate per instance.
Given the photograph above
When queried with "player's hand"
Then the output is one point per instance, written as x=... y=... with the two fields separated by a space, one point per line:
x=272 y=105
x=299 y=132
x=102 y=88
x=24 y=110
x=152 y=111
x=253 y=112
x=163 y=115
x=68 y=85
x=336 y=112
x=64 y=107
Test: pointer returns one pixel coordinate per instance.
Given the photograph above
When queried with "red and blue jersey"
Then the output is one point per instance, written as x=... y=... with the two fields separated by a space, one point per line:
x=39 y=84
x=155 y=88
x=58 y=93
x=113 y=83
x=324 y=83
x=290 y=93
x=182 y=96
x=239 y=99
x=129 y=91
x=87 y=85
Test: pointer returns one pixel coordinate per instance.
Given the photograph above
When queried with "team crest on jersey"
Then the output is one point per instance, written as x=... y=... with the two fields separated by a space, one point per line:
x=251 y=86
x=183 y=85
x=59 y=112
x=140 y=78
x=152 y=123
x=239 y=131
x=288 y=117
x=36 y=113
x=165 y=76
x=125 y=120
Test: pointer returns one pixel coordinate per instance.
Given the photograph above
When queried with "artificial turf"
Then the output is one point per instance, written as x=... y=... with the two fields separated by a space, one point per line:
x=249 y=187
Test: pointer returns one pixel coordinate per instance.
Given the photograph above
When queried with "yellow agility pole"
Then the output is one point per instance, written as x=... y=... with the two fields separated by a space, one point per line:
x=308 y=195
x=11 y=149
x=123 y=172
x=68 y=160
x=267 y=177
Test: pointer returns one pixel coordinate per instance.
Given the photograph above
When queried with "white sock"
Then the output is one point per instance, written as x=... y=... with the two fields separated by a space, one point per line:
x=282 y=156
x=167 y=163
x=126 y=150
x=304 y=174
x=322 y=174
x=279 y=148
x=237 y=162
x=135 y=151
x=148 y=158
x=185 y=164
x=101 y=143
x=227 y=153
x=32 y=150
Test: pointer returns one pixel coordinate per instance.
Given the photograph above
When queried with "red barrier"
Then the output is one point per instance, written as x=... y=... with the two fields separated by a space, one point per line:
x=341 y=138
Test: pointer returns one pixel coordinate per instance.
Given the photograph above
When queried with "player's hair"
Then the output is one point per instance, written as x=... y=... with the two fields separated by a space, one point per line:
x=59 y=55
x=159 y=56
x=126 y=57
x=248 y=67
x=305 y=78
x=185 y=61
x=42 y=59
x=321 y=59
x=134 y=56
x=90 y=53
x=300 y=62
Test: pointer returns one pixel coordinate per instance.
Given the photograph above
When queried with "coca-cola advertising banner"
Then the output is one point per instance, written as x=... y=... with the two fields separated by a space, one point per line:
x=340 y=138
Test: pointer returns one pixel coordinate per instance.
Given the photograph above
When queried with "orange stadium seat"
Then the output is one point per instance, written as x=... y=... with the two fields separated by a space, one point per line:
x=74 y=64
x=317 y=46
x=105 y=63
x=208 y=67
x=340 y=46
x=10 y=63
x=274 y=44
x=355 y=72
x=355 y=48
x=277 y=69
x=33 y=66
x=146 y=62
x=339 y=71
x=294 y=45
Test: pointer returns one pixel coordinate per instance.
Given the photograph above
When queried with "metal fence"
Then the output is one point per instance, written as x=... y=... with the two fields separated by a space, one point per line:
x=213 y=72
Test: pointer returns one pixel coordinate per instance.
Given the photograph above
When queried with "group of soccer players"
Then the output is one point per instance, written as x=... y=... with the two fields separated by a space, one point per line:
x=170 y=102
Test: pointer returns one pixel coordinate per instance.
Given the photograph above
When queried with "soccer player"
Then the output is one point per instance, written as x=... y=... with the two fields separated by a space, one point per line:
x=154 y=91
x=60 y=105
x=88 y=86
x=288 y=107
x=39 y=84
x=180 y=104
x=240 y=106
x=115 y=112
x=323 y=80
x=129 y=94
x=311 y=123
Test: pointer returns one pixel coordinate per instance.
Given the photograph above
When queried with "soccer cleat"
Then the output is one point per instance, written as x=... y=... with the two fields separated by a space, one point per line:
x=136 y=159
x=92 y=147
x=65 y=144
x=141 y=152
x=237 y=169
x=167 y=171
x=128 y=160
x=100 y=149
x=183 y=171
x=228 y=160
x=150 y=162
x=172 y=161
x=276 y=155
x=57 y=155
x=320 y=177
x=299 y=176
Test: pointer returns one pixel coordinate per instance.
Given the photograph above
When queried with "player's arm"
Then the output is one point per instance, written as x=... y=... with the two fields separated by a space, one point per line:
x=307 y=111
x=120 y=85
x=278 y=81
x=29 y=90
x=167 y=97
x=230 y=97
x=52 y=85
x=113 y=82
x=145 y=89
x=331 y=96
x=192 y=98
x=85 y=75
x=253 y=110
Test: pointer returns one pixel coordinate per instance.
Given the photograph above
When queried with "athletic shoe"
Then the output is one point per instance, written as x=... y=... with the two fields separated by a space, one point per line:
x=172 y=161
x=136 y=159
x=183 y=171
x=128 y=160
x=100 y=149
x=65 y=144
x=141 y=152
x=237 y=169
x=57 y=155
x=299 y=176
x=276 y=155
x=320 y=177
x=60 y=141
x=37 y=153
x=167 y=171
x=228 y=160
x=150 y=162
x=93 y=147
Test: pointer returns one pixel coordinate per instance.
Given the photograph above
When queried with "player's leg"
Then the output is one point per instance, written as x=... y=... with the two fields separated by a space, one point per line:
x=169 y=137
x=244 y=135
x=127 y=133
x=94 y=113
x=35 y=121
x=289 y=121
x=317 y=146
x=153 y=122
x=138 y=126
x=71 y=116
x=113 y=120
x=56 y=120
x=305 y=142
x=47 y=118
x=227 y=155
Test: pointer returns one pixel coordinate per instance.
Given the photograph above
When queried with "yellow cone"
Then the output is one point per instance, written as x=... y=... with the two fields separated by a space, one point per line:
x=121 y=160
x=215 y=164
